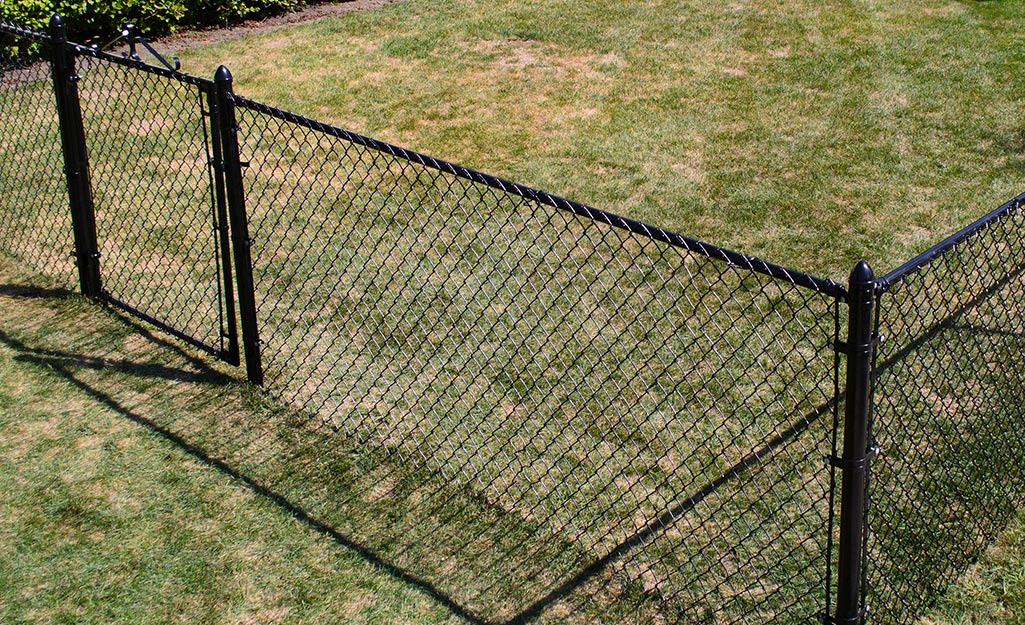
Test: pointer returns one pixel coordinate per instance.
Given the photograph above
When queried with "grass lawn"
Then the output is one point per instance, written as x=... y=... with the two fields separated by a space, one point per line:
x=136 y=491
x=810 y=134
x=501 y=400
x=993 y=591
x=113 y=508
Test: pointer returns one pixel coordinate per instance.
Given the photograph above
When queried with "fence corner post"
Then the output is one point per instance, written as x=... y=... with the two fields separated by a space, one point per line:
x=76 y=160
x=227 y=136
x=860 y=347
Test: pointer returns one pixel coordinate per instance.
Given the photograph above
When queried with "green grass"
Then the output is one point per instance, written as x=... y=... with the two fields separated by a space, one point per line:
x=993 y=591
x=809 y=134
x=142 y=486
x=107 y=515
x=569 y=383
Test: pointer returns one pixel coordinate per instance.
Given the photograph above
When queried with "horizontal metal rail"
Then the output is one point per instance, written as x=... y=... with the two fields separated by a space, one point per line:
x=927 y=257
x=150 y=319
x=736 y=259
x=142 y=66
x=17 y=30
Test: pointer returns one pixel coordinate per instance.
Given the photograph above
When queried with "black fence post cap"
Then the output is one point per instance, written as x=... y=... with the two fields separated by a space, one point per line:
x=862 y=272
x=223 y=74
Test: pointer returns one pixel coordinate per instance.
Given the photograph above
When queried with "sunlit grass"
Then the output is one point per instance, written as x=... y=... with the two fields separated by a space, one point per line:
x=810 y=134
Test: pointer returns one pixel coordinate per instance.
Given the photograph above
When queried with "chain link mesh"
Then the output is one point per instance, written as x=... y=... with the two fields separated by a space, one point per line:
x=155 y=218
x=948 y=416
x=35 y=224
x=627 y=425
x=663 y=414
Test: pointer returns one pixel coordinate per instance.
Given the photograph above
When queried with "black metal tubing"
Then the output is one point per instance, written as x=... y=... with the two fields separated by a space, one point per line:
x=934 y=252
x=148 y=318
x=76 y=161
x=853 y=464
x=227 y=135
x=11 y=28
x=223 y=232
x=139 y=64
x=730 y=257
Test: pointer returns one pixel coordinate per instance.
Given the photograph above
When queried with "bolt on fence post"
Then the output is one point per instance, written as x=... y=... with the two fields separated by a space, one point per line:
x=76 y=160
x=856 y=454
x=227 y=135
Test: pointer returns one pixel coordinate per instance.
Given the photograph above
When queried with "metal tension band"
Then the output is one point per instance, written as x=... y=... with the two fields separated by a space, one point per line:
x=832 y=620
x=857 y=465
x=828 y=619
x=841 y=346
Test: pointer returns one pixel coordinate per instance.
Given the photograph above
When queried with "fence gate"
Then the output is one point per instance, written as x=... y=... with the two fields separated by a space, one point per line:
x=161 y=248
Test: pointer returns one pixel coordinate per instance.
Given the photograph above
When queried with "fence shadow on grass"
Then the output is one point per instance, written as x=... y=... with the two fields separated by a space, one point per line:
x=446 y=542
x=70 y=365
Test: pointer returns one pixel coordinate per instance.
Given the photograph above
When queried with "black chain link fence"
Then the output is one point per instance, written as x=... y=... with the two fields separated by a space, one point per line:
x=626 y=425
x=35 y=226
x=153 y=193
x=664 y=412
x=949 y=414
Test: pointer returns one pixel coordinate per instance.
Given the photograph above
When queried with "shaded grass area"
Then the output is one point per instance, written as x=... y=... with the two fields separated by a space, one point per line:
x=425 y=546
x=809 y=134
x=112 y=510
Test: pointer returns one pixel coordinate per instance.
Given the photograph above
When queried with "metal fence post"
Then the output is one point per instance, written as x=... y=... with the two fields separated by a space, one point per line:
x=227 y=135
x=856 y=453
x=76 y=161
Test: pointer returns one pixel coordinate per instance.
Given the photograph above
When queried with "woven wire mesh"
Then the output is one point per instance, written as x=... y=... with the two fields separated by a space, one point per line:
x=643 y=410
x=949 y=417
x=148 y=151
x=35 y=223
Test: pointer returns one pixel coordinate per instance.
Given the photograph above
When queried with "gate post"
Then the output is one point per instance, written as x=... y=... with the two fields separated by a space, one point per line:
x=227 y=135
x=856 y=453
x=76 y=160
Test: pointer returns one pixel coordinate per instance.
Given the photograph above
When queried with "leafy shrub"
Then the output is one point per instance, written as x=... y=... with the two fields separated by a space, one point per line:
x=104 y=18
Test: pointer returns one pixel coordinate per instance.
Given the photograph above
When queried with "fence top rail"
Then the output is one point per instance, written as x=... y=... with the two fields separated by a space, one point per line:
x=735 y=259
x=119 y=59
x=17 y=30
x=935 y=252
x=24 y=32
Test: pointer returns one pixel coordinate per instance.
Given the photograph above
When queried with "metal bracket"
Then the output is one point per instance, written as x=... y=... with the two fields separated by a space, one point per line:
x=828 y=619
x=841 y=346
x=871 y=453
x=130 y=33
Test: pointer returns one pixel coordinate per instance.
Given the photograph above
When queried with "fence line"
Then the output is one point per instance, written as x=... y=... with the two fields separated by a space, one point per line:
x=650 y=423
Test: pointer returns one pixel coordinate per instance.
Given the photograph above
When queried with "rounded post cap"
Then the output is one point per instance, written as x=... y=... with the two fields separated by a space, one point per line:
x=862 y=272
x=56 y=21
x=223 y=74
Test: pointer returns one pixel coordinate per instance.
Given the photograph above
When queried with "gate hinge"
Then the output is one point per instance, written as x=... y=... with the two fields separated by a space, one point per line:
x=828 y=619
x=871 y=453
x=841 y=346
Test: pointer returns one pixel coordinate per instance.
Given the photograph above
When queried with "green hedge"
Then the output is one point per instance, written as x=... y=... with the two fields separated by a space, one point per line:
x=103 y=18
